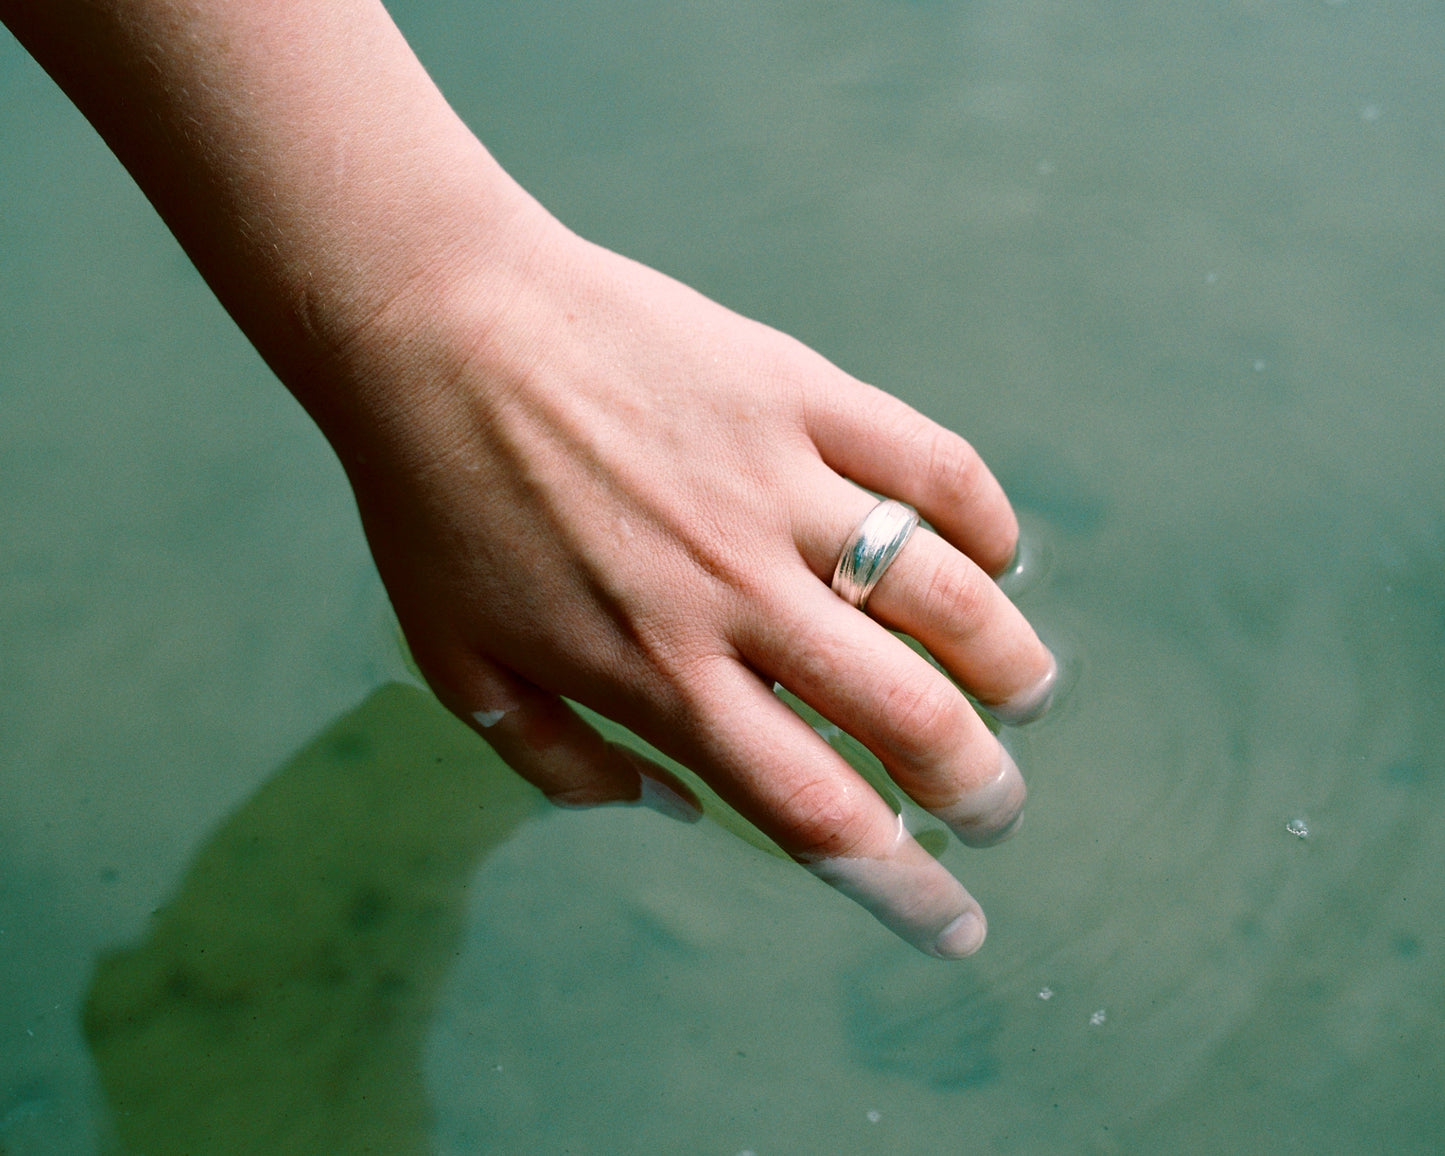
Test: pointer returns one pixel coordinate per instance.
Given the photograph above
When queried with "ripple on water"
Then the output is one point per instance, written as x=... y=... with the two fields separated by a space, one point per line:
x=1193 y=957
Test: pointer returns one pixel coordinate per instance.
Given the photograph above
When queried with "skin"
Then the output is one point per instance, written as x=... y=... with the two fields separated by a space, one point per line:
x=578 y=477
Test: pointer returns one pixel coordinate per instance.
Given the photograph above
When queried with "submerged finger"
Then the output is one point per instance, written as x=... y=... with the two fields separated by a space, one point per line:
x=550 y=745
x=920 y=726
x=939 y=596
x=885 y=445
x=775 y=770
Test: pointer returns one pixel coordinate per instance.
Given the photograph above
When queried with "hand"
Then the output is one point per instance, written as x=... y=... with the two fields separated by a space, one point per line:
x=624 y=494
x=578 y=477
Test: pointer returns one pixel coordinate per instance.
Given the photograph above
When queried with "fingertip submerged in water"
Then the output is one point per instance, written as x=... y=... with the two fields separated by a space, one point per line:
x=912 y=894
x=992 y=812
x=1033 y=703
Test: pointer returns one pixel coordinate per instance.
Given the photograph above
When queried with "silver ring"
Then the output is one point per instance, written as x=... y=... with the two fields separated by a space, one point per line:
x=870 y=550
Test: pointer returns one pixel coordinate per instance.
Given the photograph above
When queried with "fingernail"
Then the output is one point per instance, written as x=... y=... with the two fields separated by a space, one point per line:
x=990 y=813
x=911 y=894
x=666 y=800
x=962 y=937
x=1032 y=703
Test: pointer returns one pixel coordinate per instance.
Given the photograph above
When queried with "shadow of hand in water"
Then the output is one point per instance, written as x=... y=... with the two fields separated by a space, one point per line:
x=280 y=1001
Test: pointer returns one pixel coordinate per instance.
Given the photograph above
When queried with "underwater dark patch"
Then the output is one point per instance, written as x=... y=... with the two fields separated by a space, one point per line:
x=948 y=1043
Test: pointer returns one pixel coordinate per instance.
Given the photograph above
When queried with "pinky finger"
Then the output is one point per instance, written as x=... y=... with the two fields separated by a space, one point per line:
x=550 y=745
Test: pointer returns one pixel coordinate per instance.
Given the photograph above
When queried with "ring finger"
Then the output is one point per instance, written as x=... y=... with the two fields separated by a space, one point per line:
x=939 y=596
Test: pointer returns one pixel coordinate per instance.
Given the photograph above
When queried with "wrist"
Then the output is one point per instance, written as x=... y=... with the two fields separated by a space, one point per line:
x=457 y=314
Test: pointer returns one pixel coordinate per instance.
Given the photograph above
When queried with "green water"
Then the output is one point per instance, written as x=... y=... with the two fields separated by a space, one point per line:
x=1178 y=271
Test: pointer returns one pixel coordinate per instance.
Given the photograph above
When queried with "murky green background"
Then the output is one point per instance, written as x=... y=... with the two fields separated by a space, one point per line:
x=1177 y=269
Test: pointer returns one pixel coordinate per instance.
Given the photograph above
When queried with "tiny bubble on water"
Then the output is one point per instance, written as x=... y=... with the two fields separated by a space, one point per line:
x=1259 y=365
x=1370 y=113
x=1298 y=828
x=1098 y=1018
x=1211 y=278
x=1046 y=993
x=874 y=1115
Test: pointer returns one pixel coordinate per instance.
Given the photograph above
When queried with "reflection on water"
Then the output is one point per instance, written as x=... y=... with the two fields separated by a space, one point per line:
x=1175 y=269
x=280 y=999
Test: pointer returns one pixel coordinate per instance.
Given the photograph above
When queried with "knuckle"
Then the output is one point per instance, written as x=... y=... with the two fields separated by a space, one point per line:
x=820 y=819
x=924 y=720
x=953 y=594
x=581 y=796
x=954 y=469
x=814 y=661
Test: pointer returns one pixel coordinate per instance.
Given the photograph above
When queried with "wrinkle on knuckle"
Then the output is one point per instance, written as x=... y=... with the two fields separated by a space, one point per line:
x=955 y=471
x=821 y=821
x=674 y=643
x=924 y=720
x=953 y=595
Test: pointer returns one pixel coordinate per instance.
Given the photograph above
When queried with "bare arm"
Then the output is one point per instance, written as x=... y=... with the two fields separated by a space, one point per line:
x=578 y=477
x=299 y=152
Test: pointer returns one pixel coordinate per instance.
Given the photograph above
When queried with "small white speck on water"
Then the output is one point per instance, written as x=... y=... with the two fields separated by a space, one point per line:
x=1259 y=365
x=874 y=1115
x=1046 y=993
x=1044 y=168
x=1298 y=828
x=1098 y=1018
x=1211 y=278
x=1371 y=113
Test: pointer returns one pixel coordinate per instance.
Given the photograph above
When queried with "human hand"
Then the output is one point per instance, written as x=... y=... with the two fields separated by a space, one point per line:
x=616 y=491
x=578 y=477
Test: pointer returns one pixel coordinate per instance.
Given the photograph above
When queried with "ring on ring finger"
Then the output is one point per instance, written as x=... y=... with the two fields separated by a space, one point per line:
x=870 y=549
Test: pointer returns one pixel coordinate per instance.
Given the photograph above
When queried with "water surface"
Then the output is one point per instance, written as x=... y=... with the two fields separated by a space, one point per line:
x=1176 y=271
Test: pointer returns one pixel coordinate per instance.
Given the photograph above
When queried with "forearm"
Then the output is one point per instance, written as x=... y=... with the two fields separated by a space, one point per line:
x=304 y=159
